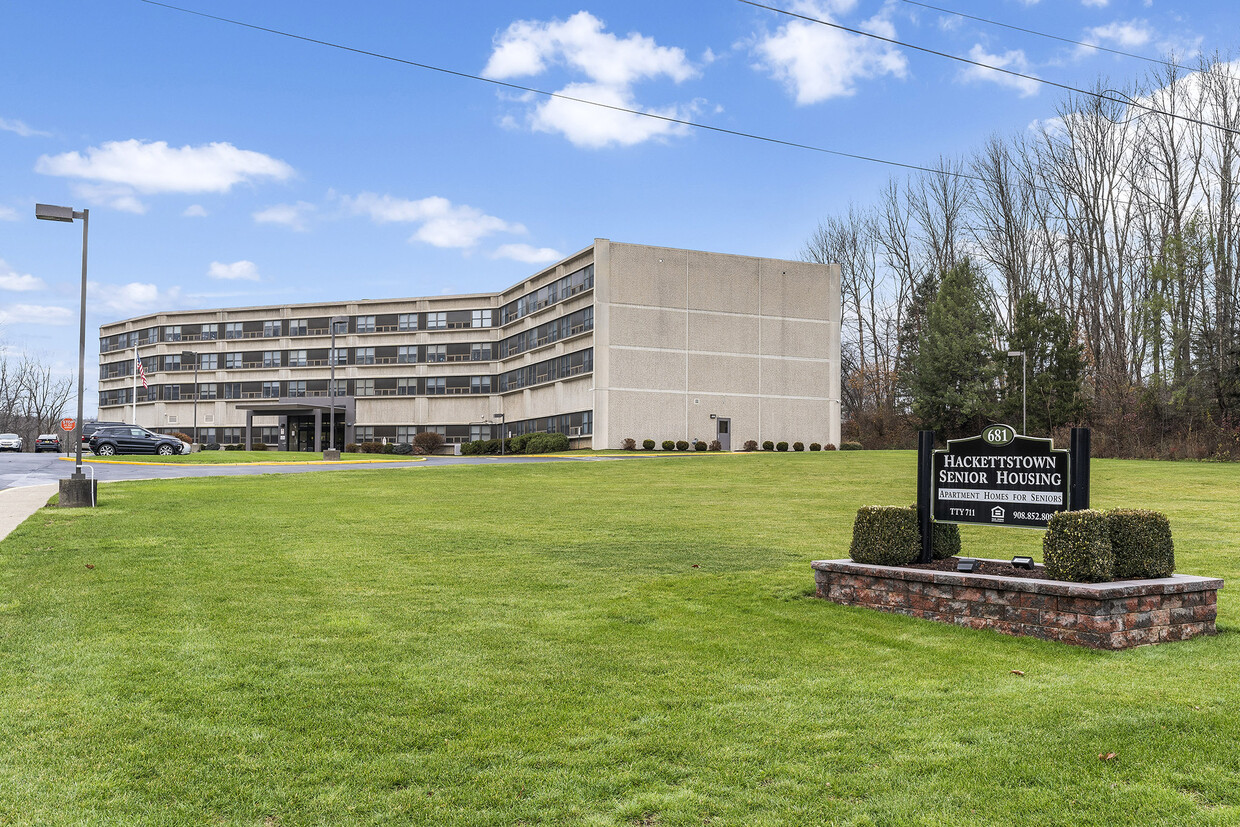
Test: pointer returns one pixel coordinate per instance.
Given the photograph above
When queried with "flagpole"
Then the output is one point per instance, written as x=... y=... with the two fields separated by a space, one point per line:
x=135 y=383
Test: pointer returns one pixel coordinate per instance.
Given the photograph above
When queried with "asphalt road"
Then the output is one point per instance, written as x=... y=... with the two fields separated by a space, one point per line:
x=20 y=470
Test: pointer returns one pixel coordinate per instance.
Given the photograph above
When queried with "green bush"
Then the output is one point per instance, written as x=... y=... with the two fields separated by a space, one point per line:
x=700 y=446
x=352 y=448
x=781 y=446
x=682 y=445
x=403 y=448
x=767 y=445
x=849 y=446
x=668 y=445
x=545 y=443
x=647 y=444
x=388 y=448
x=1141 y=543
x=885 y=535
x=814 y=446
x=259 y=446
x=212 y=446
x=428 y=441
x=1077 y=547
x=628 y=444
x=946 y=540
x=236 y=446
x=946 y=537
x=798 y=446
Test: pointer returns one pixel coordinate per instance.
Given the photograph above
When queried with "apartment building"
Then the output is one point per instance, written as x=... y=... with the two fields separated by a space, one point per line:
x=615 y=341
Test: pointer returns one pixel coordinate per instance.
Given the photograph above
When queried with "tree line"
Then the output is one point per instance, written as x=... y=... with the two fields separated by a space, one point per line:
x=32 y=396
x=1102 y=243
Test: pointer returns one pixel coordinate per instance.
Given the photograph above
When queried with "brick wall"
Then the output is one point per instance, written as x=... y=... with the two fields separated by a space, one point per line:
x=1115 y=615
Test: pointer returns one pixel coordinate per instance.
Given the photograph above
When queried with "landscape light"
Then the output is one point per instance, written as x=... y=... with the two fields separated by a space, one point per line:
x=968 y=564
x=1021 y=562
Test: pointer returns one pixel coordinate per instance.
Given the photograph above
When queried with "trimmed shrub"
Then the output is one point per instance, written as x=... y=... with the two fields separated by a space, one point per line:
x=716 y=445
x=236 y=446
x=798 y=446
x=428 y=441
x=213 y=446
x=850 y=446
x=516 y=444
x=668 y=445
x=628 y=444
x=182 y=437
x=699 y=446
x=647 y=444
x=352 y=448
x=388 y=448
x=781 y=446
x=767 y=445
x=1141 y=543
x=259 y=446
x=885 y=535
x=751 y=445
x=946 y=540
x=814 y=446
x=404 y=449
x=830 y=446
x=1077 y=547
x=682 y=445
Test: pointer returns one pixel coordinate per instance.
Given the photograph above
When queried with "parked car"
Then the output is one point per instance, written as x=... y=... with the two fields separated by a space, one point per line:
x=47 y=442
x=10 y=442
x=128 y=439
x=89 y=428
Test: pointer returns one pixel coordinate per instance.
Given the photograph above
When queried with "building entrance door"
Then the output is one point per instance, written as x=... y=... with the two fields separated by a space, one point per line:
x=723 y=433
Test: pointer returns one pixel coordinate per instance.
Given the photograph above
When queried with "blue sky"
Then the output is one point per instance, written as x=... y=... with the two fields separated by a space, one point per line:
x=225 y=166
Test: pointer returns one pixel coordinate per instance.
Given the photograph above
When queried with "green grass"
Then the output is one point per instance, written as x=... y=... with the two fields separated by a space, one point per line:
x=227 y=457
x=611 y=643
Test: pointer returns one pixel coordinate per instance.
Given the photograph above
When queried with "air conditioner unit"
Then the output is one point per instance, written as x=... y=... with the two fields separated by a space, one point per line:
x=574 y=431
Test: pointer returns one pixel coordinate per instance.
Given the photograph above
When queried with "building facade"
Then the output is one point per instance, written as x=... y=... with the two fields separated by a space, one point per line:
x=616 y=341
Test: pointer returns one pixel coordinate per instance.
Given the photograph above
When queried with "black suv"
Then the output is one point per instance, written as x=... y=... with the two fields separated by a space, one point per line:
x=89 y=428
x=129 y=439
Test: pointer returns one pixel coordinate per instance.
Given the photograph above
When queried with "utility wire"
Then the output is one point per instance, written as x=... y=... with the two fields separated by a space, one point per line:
x=561 y=96
x=1168 y=63
x=1013 y=73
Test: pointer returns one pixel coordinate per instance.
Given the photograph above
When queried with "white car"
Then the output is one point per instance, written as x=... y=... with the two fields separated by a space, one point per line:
x=10 y=442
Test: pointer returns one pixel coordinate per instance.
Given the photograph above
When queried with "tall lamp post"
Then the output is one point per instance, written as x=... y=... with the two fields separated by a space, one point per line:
x=331 y=383
x=502 y=423
x=1024 y=410
x=189 y=354
x=78 y=491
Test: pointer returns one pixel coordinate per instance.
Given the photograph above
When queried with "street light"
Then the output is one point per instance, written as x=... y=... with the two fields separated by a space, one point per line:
x=502 y=421
x=331 y=383
x=79 y=492
x=1024 y=410
x=189 y=354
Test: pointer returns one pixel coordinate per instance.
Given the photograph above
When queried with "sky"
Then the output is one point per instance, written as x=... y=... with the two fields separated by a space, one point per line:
x=228 y=166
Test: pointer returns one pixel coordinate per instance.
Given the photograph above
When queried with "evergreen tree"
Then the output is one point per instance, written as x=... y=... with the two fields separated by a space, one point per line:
x=1055 y=363
x=953 y=372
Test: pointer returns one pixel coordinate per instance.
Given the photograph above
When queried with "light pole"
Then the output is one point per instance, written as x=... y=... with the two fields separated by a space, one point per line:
x=79 y=492
x=1024 y=410
x=189 y=354
x=331 y=384
x=502 y=423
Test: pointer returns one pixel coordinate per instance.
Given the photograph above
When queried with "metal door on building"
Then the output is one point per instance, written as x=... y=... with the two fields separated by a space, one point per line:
x=723 y=433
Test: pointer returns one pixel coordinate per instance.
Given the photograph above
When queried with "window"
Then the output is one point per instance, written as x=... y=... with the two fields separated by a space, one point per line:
x=297 y=327
x=407 y=386
x=405 y=433
x=208 y=361
x=232 y=360
x=271 y=329
x=479 y=384
x=206 y=390
x=338 y=388
x=271 y=390
x=364 y=387
x=296 y=358
x=365 y=324
x=477 y=432
x=436 y=385
x=172 y=362
x=437 y=353
x=406 y=354
x=436 y=321
x=232 y=330
x=481 y=318
x=297 y=388
x=364 y=356
x=209 y=332
x=172 y=333
x=364 y=433
x=232 y=390
x=340 y=356
x=407 y=321
x=272 y=359
x=480 y=352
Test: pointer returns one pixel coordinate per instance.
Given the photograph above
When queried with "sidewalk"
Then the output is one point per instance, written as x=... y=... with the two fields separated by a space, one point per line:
x=16 y=504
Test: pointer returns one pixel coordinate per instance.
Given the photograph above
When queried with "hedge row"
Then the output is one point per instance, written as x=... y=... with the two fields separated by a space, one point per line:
x=670 y=445
x=1095 y=546
x=539 y=443
x=888 y=535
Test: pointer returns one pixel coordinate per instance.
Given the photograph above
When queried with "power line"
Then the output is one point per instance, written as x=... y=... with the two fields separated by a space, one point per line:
x=1011 y=72
x=1168 y=63
x=561 y=96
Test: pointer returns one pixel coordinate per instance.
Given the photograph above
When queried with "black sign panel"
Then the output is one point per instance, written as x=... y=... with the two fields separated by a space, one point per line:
x=999 y=478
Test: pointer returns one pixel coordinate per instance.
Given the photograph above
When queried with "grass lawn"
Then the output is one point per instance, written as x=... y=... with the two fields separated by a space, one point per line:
x=611 y=643
x=232 y=457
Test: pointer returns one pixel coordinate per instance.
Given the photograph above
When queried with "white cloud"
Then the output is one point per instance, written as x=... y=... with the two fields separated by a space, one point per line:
x=7 y=214
x=1095 y=3
x=36 y=314
x=1014 y=60
x=20 y=128
x=443 y=224
x=527 y=254
x=817 y=63
x=1129 y=35
x=132 y=298
x=195 y=211
x=10 y=279
x=243 y=270
x=612 y=66
x=118 y=169
x=292 y=216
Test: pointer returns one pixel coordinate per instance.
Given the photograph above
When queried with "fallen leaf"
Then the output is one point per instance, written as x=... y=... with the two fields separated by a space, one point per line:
x=90 y=565
x=696 y=566
x=1107 y=756
x=1017 y=672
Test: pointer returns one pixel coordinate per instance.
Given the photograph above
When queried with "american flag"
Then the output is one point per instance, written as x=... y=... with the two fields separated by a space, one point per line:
x=141 y=372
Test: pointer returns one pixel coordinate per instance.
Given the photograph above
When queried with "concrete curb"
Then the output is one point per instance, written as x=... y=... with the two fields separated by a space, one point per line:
x=245 y=464
x=16 y=504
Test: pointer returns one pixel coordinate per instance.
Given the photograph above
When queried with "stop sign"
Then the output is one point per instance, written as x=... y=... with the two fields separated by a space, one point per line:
x=68 y=424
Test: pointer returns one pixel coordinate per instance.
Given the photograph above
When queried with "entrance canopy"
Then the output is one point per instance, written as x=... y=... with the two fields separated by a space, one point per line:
x=300 y=408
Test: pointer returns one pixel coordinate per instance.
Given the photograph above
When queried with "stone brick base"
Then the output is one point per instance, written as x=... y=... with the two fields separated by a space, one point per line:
x=1116 y=615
